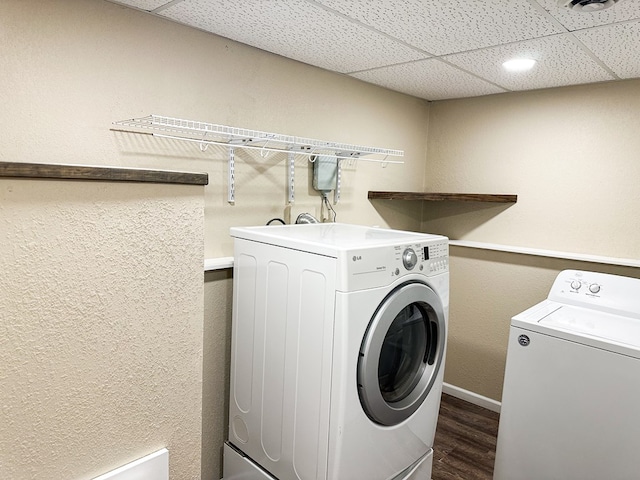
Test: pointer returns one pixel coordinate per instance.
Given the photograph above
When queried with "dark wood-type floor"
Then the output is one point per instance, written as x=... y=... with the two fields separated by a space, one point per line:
x=465 y=443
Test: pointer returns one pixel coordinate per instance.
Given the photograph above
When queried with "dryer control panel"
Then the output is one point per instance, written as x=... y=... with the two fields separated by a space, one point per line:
x=427 y=258
x=382 y=265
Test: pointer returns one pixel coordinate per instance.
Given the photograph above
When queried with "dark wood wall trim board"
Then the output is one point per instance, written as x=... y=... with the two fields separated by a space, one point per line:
x=102 y=174
x=441 y=197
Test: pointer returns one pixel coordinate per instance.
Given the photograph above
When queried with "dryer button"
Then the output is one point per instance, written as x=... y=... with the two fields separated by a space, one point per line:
x=575 y=284
x=594 y=288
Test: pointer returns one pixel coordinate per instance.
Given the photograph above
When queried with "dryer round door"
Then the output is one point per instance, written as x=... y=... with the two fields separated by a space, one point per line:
x=401 y=353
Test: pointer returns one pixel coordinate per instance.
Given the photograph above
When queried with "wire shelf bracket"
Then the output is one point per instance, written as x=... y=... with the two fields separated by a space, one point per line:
x=291 y=176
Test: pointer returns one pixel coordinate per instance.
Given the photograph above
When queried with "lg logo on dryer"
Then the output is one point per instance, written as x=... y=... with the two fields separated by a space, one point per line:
x=355 y=258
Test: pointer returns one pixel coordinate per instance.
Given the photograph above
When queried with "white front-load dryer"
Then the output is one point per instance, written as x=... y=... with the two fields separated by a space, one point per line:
x=338 y=348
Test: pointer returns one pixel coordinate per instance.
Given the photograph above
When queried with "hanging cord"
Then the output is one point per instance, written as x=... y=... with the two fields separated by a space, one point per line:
x=276 y=220
x=325 y=201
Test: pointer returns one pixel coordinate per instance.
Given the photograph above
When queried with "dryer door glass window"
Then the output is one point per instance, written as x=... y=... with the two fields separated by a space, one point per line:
x=401 y=353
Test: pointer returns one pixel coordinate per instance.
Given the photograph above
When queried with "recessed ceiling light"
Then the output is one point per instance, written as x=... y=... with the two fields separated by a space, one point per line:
x=519 y=64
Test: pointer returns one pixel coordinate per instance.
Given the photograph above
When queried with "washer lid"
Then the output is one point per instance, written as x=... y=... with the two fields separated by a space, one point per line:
x=595 y=324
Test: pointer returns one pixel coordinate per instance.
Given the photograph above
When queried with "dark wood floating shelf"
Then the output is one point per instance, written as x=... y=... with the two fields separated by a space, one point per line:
x=102 y=174
x=441 y=197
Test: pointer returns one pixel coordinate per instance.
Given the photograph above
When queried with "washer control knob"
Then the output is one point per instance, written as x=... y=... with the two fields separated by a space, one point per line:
x=575 y=284
x=409 y=259
x=594 y=288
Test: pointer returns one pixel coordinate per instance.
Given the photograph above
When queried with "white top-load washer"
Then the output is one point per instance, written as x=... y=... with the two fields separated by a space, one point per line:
x=571 y=398
x=338 y=342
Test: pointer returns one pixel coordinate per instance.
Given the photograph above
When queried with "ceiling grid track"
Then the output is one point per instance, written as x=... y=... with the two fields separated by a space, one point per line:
x=373 y=29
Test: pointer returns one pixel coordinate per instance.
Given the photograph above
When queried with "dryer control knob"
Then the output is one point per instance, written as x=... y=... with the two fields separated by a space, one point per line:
x=409 y=259
x=575 y=284
x=594 y=288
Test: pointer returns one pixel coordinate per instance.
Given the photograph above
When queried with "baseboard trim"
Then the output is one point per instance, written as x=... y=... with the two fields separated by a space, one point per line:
x=471 y=397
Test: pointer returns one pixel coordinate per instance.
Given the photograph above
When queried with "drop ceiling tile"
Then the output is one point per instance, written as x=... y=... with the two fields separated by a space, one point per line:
x=560 y=62
x=147 y=5
x=449 y=26
x=295 y=29
x=430 y=79
x=617 y=45
x=624 y=10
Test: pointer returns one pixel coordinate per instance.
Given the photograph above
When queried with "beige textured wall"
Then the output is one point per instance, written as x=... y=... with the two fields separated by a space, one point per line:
x=101 y=308
x=72 y=67
x=571 y=155
x=218 y=287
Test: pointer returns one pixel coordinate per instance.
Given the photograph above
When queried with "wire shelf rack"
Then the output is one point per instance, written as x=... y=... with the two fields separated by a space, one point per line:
x=233 y=137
